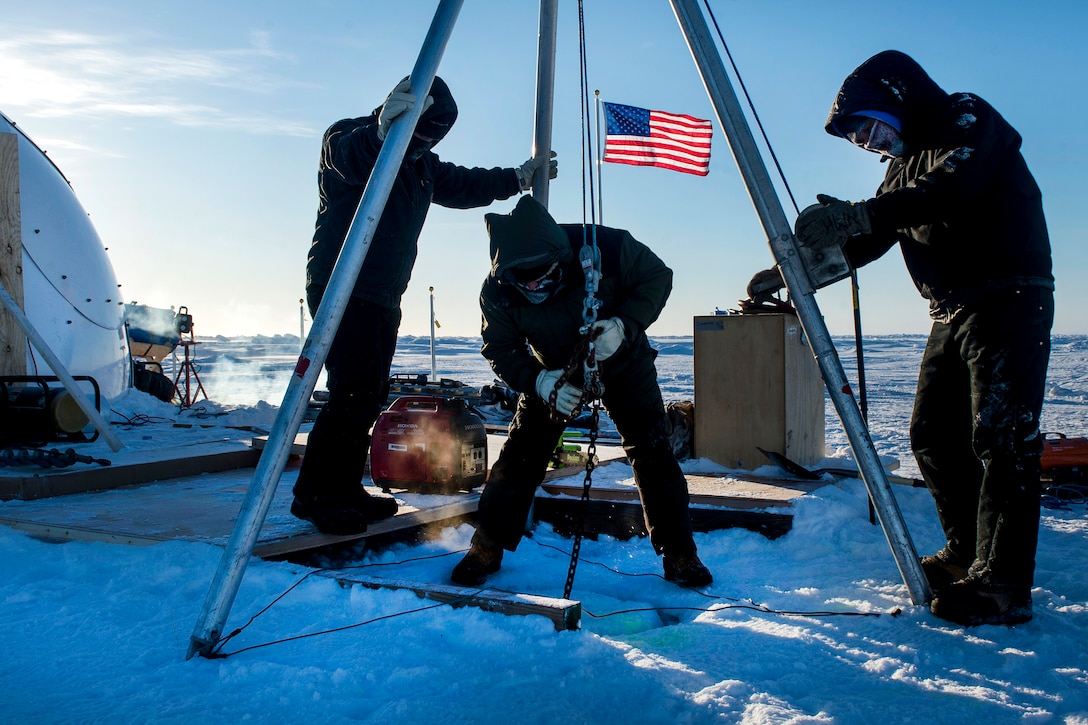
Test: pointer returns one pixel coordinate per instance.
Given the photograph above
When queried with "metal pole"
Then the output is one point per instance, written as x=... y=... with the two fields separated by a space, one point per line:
x=61 y=372
x=434 y=366
x=301 y=322
x=785 y=249
x=262 y=489
x=600 y=159
x=545 y=94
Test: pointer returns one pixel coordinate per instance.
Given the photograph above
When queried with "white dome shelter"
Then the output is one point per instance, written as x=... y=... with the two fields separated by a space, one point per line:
x=54 y=265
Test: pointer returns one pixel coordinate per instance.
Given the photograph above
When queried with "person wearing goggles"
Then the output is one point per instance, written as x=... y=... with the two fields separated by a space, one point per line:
x=532 y=308
x=959 y=200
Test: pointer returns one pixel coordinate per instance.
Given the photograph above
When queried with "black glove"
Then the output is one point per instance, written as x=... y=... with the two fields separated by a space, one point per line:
x=764 y=284
x=831 y=222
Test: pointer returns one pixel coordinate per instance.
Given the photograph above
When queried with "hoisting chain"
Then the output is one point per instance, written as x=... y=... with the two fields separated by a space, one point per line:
x=585 y=355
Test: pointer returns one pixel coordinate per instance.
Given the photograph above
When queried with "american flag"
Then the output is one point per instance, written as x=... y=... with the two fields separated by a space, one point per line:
x=642 y=137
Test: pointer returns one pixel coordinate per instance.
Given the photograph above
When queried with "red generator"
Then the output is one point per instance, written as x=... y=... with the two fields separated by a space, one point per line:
x=429 y=444
x=1064 y=459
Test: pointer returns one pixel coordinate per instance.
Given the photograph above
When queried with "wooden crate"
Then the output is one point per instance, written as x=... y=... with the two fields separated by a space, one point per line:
x=757 y=385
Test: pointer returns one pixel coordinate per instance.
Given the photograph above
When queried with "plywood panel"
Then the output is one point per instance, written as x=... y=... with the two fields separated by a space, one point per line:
x=756 y=386
x=12 y=338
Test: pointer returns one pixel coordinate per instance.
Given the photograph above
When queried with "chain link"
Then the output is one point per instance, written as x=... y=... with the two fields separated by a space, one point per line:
x=587 y=482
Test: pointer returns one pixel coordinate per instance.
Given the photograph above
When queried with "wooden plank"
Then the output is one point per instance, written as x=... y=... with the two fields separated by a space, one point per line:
x=203 y=508
x=624 y=520
x=298 y=446
x=463 y=505
x=459 y=505
x=61 y=533
x=747 y=492
x=565 y=614
x=804 y=435
x=31 y=483
x=13 y=343
x=717 y=502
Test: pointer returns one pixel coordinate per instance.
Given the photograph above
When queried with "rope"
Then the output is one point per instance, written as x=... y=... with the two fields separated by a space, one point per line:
x=751 y=106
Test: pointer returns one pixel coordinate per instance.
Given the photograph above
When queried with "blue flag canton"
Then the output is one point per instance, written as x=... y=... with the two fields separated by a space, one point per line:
x=624 y=120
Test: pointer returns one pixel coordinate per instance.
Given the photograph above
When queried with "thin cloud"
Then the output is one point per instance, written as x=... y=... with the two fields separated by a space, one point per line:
x=64 y=74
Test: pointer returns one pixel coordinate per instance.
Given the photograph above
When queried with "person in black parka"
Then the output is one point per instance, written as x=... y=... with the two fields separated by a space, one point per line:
x=328 y=492
x=532 y=305
x=967 y=214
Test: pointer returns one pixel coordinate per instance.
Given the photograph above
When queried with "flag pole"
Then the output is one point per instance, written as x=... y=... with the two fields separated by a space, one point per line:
x=434 y=367
x=545 y=94
x=600 y=160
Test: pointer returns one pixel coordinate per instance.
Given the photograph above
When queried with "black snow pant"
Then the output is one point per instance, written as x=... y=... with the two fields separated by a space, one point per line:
x=975 y=430
x=358 y=381
x=633 y=400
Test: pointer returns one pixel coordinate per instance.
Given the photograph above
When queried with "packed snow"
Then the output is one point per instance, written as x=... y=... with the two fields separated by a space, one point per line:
x=813 y=627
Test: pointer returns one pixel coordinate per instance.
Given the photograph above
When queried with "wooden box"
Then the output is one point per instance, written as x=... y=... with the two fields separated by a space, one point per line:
x=757 y=385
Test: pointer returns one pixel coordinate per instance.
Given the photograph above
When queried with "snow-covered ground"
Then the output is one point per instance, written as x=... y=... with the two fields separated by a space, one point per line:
x=813 y=627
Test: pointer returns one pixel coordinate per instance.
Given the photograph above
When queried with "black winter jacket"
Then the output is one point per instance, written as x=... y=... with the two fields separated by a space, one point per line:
x=961 y=202
x=634 y=286
x=348 y=154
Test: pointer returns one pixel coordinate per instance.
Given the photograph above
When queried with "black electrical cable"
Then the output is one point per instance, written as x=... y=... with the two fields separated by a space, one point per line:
x=217 y=650
x=733 y=603
x=738 y=603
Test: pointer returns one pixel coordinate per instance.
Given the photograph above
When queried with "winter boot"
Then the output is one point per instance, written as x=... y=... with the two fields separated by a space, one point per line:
x=343 y=515
x=943 y=568
x=483 y=559
x=973 y=602
x=686 y=570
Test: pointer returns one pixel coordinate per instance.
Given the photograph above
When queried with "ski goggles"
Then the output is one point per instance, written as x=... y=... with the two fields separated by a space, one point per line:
x=540 y=278
x=871 y=134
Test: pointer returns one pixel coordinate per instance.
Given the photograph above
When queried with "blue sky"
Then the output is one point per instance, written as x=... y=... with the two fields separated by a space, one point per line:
x=190 y=132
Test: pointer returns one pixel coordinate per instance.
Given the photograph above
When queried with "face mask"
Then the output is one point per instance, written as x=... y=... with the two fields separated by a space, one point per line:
x=418 y=146
x=541 y=284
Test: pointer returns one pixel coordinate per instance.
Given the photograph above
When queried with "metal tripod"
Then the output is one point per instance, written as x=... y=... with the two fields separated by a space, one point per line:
x=228 y=576
x=185 y=378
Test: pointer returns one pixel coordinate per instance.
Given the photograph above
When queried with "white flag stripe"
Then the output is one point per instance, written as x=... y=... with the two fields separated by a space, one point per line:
x=679 y=136
x=644 y=159
x=658 y=140
x=637 y=155
x=638 y=143
x=663 y=163
x=650 y=159
x=703 y=130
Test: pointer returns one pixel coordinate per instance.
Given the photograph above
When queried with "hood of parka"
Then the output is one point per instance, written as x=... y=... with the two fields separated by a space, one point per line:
x=438 y=119
x=526 y=237
x=891 y=82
